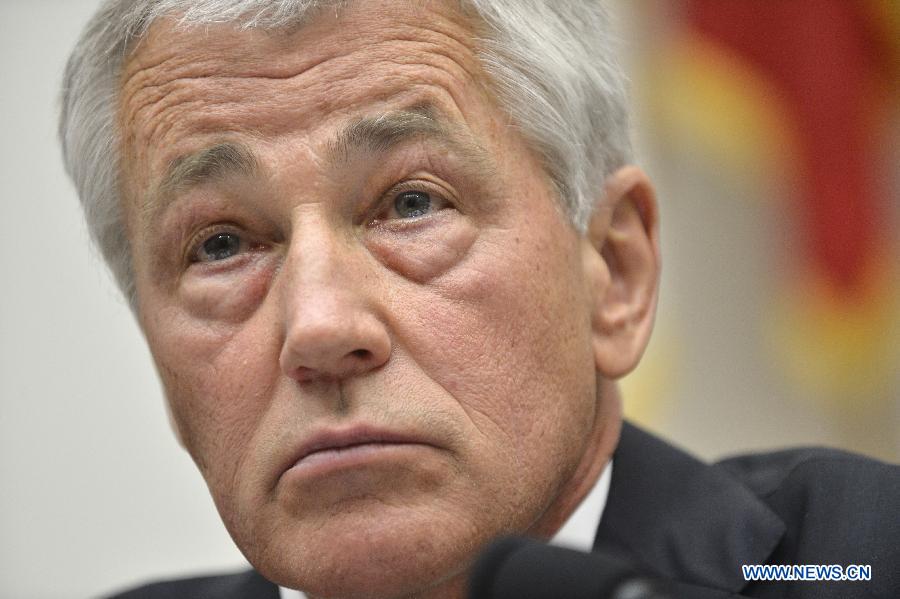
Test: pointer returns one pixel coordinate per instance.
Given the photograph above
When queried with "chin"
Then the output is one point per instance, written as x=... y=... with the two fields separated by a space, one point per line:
x=368 y=554
x=381 y=582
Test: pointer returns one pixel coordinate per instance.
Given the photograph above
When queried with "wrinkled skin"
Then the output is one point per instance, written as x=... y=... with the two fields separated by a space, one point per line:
x=475 y=328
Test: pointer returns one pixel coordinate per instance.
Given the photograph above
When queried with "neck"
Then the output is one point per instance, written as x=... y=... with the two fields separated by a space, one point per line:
x=599 y=449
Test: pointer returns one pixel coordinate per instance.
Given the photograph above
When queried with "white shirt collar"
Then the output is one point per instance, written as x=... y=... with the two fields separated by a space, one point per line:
x=577 y=532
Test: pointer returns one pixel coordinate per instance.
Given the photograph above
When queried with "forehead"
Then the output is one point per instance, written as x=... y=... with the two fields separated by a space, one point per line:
x=183 y=87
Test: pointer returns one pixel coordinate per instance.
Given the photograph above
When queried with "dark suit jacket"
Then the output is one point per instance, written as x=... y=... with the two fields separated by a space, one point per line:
x=695 y=524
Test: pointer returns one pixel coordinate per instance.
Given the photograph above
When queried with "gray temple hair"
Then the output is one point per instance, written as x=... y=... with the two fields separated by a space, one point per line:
x=551 y=63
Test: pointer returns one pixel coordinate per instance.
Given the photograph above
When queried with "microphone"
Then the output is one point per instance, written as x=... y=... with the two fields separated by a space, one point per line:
x=518 y=568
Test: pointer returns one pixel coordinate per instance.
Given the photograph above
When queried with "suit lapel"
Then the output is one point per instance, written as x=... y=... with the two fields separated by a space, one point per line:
x=681 y=519
x=251 y=584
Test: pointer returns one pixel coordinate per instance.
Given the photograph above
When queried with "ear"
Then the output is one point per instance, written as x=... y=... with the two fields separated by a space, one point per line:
x=622 y=263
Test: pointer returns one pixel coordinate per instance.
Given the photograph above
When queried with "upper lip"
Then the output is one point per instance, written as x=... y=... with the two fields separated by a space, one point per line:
x=337 y=438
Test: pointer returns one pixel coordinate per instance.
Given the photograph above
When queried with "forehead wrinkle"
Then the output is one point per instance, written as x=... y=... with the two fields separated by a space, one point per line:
x=153 y=75
x=208 y=165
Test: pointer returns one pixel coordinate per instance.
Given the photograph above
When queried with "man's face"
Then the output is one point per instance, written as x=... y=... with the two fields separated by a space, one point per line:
x=369 y=315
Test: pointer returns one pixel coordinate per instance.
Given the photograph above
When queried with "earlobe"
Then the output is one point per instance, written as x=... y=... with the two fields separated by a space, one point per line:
x=624 y=237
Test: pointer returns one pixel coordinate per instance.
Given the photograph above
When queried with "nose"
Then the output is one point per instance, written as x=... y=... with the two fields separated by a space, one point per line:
x=331 y=326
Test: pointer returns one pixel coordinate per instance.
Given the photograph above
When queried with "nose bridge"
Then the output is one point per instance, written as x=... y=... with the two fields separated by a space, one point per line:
x=331 y=328
x=317 y=258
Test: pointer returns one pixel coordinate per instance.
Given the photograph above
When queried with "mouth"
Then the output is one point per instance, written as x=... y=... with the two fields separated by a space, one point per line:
x=332 y=450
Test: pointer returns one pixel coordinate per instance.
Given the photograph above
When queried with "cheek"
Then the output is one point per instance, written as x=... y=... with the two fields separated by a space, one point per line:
x=227 y=296
x=421 y=254
x=506 y=335
x=217 y=390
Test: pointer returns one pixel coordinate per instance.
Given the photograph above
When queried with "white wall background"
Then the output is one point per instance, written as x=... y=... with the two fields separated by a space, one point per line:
x=94 y=492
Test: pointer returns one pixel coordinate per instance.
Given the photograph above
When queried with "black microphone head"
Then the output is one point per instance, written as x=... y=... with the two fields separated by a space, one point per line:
x=518 y=568
x=488 y=564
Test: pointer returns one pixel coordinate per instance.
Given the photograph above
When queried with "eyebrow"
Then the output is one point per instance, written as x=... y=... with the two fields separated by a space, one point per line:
x=214 y=163
x=378 y=134
x=375 y=134
x=381 y=133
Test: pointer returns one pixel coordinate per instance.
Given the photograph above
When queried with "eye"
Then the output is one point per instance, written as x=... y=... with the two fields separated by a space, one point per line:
x=414 y=204
x=220 y=246
x=409 y=202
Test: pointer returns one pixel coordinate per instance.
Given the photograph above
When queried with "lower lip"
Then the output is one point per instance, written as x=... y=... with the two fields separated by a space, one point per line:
x=355 y=456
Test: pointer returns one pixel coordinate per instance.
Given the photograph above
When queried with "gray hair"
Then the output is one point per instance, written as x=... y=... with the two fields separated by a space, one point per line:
x=551 y=65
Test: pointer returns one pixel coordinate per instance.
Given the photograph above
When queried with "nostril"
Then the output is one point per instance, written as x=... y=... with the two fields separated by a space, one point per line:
x=362 y=354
